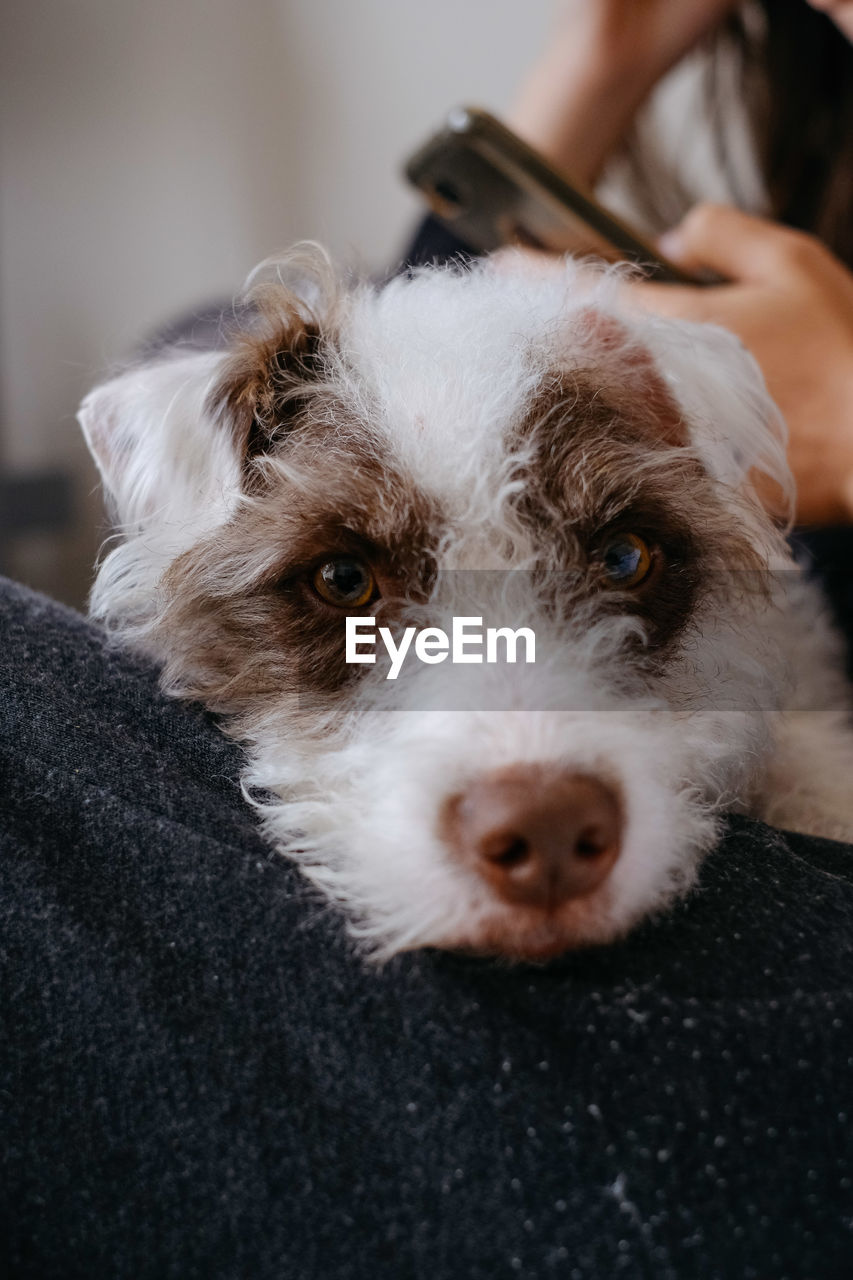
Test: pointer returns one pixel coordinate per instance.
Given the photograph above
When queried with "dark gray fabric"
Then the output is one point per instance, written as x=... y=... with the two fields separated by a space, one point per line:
x=200 y=1079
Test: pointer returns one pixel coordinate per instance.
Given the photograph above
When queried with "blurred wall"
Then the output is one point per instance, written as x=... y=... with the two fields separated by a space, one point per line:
x=153 y=152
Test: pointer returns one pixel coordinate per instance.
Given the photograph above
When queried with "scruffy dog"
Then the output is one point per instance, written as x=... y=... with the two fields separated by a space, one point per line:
x=497 y=445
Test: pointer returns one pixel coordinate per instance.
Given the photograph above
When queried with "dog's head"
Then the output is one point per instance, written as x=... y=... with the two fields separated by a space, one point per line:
x=484 y=444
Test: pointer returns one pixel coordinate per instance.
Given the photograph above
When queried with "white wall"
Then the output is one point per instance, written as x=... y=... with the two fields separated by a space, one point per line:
x=154 y=150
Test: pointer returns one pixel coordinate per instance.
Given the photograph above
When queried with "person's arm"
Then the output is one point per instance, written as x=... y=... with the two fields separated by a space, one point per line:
x=791 y=303
x=605 y=56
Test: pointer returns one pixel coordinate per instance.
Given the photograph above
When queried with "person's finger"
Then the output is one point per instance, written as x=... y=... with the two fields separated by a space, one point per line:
x=737 y=245
x=686 y=302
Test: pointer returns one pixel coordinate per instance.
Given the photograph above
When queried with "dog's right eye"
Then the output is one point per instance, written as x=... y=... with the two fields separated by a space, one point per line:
x=345 y=582
x=627 y=560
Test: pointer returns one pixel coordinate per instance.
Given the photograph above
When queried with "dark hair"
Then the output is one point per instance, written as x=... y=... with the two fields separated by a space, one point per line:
x=794 y=70
x=798 y=85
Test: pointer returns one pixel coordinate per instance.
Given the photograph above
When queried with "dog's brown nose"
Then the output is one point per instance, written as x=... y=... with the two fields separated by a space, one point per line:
x=539 y=836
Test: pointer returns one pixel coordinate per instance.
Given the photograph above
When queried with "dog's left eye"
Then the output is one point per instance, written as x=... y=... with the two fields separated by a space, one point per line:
x=626 y=560
x=345 y=582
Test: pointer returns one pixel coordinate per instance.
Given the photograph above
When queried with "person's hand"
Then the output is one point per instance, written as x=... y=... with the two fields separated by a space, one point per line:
x=604 y=57
x=791 y=303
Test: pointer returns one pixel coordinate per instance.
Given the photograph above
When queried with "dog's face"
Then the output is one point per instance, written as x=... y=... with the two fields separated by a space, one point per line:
x=480 y=445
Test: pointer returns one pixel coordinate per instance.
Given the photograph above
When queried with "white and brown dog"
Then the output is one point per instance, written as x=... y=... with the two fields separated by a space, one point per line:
x=478 y=443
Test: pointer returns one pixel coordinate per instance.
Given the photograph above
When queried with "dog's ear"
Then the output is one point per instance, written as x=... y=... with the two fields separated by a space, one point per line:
x=175 y=439
x=160 y=452
x=273 y=370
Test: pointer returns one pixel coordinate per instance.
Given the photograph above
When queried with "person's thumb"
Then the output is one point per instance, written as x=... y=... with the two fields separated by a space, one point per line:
x=736 y=245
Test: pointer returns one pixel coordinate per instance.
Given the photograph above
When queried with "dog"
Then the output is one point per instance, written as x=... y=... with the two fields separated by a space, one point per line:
x=463 y=445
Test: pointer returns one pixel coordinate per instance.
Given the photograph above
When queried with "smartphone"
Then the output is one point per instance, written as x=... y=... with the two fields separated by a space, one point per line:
x=492 y=189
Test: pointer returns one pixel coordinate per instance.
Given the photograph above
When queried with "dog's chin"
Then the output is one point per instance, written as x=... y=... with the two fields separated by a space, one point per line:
x=531 y=935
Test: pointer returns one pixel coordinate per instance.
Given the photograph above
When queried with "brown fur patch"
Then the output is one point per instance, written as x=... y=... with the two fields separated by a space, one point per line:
x=600 y=461
x=634 y=385
x=276 y=364
x=601 y=466
x=241 y=603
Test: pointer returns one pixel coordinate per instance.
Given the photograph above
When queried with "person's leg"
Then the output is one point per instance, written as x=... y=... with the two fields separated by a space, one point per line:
x=200 y=1076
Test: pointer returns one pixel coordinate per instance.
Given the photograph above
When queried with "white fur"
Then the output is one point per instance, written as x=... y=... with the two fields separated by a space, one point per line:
x=744 y=717
x=168 y=475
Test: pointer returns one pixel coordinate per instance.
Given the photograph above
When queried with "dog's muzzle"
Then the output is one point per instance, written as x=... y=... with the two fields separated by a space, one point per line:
x=538 y=835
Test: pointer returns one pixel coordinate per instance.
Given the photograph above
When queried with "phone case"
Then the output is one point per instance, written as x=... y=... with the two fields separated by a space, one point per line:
x=492 y=189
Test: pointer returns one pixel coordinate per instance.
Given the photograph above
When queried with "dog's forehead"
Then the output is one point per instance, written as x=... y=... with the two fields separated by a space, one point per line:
x=452 y=365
